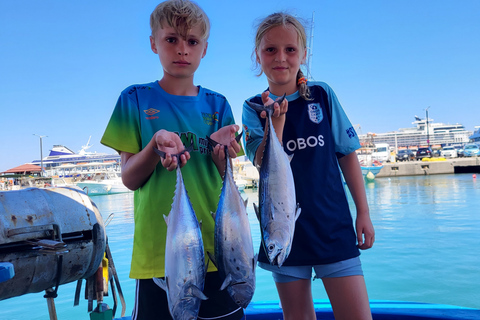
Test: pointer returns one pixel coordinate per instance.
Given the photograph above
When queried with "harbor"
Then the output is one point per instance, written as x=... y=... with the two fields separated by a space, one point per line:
x=419 y=222
x=432 y=167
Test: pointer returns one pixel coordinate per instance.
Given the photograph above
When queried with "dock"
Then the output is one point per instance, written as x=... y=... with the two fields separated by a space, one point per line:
x=433 y=166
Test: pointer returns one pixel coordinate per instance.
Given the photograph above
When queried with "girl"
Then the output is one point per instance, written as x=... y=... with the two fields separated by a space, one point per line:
x=313 y=127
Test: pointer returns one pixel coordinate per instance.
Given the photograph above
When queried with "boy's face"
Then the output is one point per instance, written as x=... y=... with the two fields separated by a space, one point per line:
x=179 y=57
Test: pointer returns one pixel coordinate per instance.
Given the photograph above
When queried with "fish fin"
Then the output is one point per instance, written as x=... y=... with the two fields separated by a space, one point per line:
x=163 y=154
x=166 y=219
x=161 y=283
x=297 y=212
x=246 y=202
x=290 y=157
x=239 y=136
x=226 y=282
x=211 y=257
x=272 y=211
x=212 y=142
x=196 y=292
x=257 y=212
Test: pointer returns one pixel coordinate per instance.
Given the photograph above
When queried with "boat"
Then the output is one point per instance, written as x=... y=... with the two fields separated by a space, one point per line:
x=381 y=310
x=244 y=172
x=61 y=160
x=475 y=137
x=102 y=183
x=425 y=133
x=368 y=157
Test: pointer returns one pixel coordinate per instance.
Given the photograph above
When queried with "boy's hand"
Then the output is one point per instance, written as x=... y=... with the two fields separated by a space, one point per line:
x=226 y=137
x=171 y=144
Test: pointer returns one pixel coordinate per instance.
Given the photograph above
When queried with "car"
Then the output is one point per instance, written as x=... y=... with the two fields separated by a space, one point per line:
x=459 y=151
x=449 y=152
x=405 y=155
x=424 y=153
x=471 y=150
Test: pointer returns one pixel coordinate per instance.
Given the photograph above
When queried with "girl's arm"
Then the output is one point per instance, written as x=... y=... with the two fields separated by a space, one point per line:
x=278 y=122
x=137 y=168
x=355 y=182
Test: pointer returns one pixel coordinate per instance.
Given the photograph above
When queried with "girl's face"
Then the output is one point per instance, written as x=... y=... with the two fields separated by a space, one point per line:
x=280 y=56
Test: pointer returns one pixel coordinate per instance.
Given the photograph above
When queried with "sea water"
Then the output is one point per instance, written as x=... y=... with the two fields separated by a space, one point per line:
x=426 y=249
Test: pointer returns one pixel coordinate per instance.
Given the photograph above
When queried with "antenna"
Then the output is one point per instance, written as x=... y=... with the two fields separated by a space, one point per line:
x=310 y=48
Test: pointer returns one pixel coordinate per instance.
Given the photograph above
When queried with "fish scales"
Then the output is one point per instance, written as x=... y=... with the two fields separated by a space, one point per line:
x=184 y=256
x=277 y=209
x=234 y=253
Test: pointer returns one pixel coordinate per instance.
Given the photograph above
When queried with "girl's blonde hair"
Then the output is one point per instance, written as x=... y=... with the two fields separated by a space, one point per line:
x=284 y=19
x=182 y=15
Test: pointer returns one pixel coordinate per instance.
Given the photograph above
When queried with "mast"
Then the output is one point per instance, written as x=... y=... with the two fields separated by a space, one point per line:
x=310 y=49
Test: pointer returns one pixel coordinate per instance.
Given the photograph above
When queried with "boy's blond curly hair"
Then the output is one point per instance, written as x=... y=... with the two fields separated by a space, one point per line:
x=182 y=15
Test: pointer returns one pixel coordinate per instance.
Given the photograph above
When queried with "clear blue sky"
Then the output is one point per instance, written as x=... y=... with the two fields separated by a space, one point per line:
x=64 y=63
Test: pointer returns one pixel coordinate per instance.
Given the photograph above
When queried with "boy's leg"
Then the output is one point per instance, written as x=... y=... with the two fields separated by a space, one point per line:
x=219 y=304
x=296 y=299
x=150 y=302
x=349 y=298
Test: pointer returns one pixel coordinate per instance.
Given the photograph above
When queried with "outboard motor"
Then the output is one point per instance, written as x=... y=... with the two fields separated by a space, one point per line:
x=52 y=236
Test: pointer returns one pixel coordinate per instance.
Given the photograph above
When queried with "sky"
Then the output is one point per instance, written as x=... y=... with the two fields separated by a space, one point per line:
x=63 y=64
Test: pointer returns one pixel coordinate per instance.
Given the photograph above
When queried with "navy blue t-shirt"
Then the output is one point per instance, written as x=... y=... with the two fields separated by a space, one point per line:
x=316 y=133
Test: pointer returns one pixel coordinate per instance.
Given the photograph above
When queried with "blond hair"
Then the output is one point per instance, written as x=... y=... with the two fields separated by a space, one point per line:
x=182 y=15
x=284 y=19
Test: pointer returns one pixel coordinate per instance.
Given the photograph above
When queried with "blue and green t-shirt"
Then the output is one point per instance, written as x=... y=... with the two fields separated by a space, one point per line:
x=141 y=111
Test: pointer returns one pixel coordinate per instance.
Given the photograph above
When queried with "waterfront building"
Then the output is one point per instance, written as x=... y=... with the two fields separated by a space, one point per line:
x=475 y=137
x=425 y=133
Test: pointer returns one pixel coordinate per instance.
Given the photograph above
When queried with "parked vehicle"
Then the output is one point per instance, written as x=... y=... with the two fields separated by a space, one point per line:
x=471 y=150
x=449 y=152
x=460 y=151
x=381 y=152
x=424 y=153
x=405 y=155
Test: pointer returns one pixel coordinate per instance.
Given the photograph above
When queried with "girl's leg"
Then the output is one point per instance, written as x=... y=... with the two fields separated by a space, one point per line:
x=349 y=298
x=296 y=299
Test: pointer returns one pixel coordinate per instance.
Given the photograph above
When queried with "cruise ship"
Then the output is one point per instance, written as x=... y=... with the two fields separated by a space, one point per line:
x=425 y=133
x=63 y=161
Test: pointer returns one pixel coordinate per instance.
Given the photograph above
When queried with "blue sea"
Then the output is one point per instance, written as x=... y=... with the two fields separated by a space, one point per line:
x=426 y=249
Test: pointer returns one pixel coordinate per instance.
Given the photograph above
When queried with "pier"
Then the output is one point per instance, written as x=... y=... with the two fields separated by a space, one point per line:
x=434 y=166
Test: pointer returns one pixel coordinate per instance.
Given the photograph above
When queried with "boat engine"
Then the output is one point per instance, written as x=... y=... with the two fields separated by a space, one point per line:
x=52 y=236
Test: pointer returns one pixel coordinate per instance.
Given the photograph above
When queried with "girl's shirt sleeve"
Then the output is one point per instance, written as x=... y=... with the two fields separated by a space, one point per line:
x=344 y=135
x=123 y=129
x=253 y=131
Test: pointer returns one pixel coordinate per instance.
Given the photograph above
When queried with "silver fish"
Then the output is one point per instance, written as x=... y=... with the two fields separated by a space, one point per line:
x=234 y=255
x=184 y=256
x=278 y=209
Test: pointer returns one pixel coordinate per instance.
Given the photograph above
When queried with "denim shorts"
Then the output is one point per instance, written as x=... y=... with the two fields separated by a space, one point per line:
x=349 y=267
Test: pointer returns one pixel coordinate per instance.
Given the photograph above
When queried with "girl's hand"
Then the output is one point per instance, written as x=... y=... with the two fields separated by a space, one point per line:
x=280 y=110
x=365 y=231
x=171 y=144
x=225 y=137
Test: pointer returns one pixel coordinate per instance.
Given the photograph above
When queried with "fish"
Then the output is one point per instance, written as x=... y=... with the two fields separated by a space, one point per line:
x=185 y=268
x=277 y=208
x=234 y=255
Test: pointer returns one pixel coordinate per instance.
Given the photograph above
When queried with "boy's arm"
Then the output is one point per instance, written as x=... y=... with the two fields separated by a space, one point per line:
x=356 y=184
x=137 y=168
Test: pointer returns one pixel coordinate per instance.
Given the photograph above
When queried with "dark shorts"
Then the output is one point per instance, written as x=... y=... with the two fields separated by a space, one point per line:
x=151 y=301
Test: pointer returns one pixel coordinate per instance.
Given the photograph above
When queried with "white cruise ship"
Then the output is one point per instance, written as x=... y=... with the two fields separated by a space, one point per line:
x=64 y=162
x=425 y=133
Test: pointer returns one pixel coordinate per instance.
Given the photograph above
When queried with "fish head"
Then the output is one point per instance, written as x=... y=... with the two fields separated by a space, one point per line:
x=242 y=293
x=185 y=309
x=278 y=247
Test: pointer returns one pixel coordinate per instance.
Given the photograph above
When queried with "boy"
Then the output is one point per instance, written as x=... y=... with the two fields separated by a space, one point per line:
x=173 y=114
